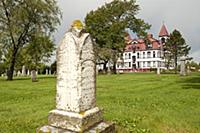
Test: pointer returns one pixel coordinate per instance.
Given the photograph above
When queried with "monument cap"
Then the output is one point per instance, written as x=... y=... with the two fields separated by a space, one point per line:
x=77 y=24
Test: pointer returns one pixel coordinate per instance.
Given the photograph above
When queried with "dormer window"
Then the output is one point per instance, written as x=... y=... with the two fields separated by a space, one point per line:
x=134 y=42
x=149 y=45
x=163 y=40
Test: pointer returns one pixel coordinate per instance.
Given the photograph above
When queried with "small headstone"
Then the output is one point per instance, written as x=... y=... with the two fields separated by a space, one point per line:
x=23 y=70
x=76 y=109
x=50 y=72
x=14 y=73
x=33 y=75
x=46 y=71
x=28 y=72
x=182 y=65
x=158 y=70
x=18 y=73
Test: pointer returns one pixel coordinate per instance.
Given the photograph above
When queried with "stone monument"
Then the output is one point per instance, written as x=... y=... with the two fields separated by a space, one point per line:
x=18 y=73
x=76 y=110
x=28 y=72
x=158 y=68
x=47 y=71
x=33 y=76
x=23 y=70
x=183 y=69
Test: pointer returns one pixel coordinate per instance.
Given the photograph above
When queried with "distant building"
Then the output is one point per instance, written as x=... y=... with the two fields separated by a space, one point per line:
x=143 y=55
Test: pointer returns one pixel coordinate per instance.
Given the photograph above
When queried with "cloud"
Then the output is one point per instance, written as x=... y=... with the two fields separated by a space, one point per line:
x=75 y=9
x=177 y=14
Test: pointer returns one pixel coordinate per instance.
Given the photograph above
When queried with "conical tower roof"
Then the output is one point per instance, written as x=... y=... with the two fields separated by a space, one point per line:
x=163 y=31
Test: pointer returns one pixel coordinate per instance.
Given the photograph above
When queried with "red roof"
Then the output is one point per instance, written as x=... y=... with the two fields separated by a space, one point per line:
x=139 y=44
x=163 y=31
x=129 y=48
x=155 y=45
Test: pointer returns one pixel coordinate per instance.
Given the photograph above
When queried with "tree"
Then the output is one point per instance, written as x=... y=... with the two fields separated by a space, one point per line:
x=108 y=23
x=33 y=57
x=20 y=20
x=53 y=67
x=2 y=65
x=176 y=47
x=1 y=53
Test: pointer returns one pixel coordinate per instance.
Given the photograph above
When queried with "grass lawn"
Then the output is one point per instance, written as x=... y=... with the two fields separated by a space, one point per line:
x=138 y=103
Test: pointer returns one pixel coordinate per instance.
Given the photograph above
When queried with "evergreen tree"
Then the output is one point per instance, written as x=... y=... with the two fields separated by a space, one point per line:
x=176 y=47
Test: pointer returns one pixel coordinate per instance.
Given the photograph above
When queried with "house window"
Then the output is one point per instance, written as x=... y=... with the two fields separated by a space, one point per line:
x=134 y=42
x=143 y=54
x=134 y=58
x=138 y=64
x=159 y=54
x=149 y=54
x=154 y=64
x=159 y=64
x=149 y=45
x=124 y=55
x=129 y=55
x=154 y=54
x=144 y=64
x=162 y=40
x=138 y=55
x=129 y=64
x=148 y=64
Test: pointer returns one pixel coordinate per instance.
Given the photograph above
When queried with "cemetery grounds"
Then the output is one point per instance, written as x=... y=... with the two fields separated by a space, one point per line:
x=137 y=102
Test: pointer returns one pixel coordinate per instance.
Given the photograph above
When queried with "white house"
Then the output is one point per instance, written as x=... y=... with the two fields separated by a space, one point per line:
x=141 y=55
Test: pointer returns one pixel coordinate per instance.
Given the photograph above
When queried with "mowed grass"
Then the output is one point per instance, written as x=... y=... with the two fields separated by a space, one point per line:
x=137 y=102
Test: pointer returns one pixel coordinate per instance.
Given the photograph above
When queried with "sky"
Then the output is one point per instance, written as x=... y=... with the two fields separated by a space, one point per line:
x=183 y=15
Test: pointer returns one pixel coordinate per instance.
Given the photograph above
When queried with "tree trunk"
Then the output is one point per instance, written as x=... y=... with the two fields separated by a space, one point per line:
x=12 y=66
x=167 y=64
x=114 y=67
x=105 y=67
x=175 y=61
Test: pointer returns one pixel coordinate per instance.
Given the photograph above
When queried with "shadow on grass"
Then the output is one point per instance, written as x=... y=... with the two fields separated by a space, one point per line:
x=191 y=83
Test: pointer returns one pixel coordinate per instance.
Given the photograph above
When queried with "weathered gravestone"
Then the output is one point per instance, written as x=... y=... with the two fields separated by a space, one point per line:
x=33 y=76
x=47 y=71
x=14 y=73
x=158 y=68
x=76 y=109
x=28 y=72
x=50 y=72
x=18 y=73
x=183 y=59
x=23 y=70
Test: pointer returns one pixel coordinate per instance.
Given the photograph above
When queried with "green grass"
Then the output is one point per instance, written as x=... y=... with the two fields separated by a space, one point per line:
x=137 y=102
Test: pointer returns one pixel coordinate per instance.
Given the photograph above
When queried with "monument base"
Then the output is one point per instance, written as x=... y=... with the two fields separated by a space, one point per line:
x=102 y=127
x=60 y=121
